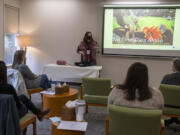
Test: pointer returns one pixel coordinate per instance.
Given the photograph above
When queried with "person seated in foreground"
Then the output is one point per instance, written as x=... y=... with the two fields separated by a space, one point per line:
x=173 y=79
x=23 y=104
x=135 y=91
x=32 y=80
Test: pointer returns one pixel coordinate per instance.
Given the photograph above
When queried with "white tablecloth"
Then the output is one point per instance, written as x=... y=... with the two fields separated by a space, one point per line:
x=66 y=73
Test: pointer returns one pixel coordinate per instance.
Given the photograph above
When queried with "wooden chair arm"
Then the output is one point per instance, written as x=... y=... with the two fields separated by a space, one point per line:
x=81 y=93
x=162 y=126
x=112 y=86
x=107 y=125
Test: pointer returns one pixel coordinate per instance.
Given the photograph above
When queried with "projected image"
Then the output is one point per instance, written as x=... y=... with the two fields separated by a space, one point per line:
x=143 y=26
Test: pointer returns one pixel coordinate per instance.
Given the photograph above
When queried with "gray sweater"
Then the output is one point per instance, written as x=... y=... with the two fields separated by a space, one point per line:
x=117 y=97
x=29 y=77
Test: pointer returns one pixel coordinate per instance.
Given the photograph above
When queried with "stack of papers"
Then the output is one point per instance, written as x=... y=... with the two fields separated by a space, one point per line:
x=48 y=92
x=73 y=125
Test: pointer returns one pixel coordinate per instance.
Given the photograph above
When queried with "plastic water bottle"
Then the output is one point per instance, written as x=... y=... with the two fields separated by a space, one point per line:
x=64 y=84
x=53 y=85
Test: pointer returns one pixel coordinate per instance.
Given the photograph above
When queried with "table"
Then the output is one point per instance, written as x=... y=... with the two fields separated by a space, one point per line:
x=67 y=73
x=55 y=102
x=56 y=131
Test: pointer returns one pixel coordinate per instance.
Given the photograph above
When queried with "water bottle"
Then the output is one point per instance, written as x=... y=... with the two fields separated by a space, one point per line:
x=64 y=84
x=53 y=85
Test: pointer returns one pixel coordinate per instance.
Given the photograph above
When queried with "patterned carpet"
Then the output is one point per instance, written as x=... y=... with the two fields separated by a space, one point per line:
x=95 y=119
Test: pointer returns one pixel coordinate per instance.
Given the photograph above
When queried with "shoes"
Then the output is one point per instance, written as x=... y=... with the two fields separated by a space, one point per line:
x=41 y=115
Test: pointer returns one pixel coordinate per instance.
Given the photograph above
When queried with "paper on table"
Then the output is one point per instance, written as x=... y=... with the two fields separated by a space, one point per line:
x=48 y=92
x=55 y=119
x=73 y=125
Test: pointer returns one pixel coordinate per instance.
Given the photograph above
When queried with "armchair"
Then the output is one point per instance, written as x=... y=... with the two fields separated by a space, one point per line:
x=133 y=121
x=171 y=95
x=95 y=91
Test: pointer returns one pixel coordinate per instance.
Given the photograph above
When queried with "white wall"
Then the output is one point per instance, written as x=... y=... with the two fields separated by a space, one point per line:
x=57 y=26
x=1 y=30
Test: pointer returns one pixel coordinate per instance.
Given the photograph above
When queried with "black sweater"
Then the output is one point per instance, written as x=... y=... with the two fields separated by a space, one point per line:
x=9 y=89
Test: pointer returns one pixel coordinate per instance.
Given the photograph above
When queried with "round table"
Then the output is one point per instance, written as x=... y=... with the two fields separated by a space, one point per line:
x=55 y=102
x=56 y=131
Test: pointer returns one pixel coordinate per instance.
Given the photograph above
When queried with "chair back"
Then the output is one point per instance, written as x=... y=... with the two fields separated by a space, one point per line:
x=134 y=121
x=96 y=86
x=15 y=78
x=9 y=119
x=171 y=94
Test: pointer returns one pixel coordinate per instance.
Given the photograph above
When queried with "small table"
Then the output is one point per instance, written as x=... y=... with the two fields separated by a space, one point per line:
x=56 y=131
x=67 y=73
x=55 y=102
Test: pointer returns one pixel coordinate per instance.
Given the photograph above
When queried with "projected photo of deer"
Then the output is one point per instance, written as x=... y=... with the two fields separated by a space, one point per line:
x=143 y=26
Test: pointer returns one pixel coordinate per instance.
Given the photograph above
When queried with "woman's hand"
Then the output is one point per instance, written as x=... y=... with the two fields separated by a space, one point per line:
x=81 y=52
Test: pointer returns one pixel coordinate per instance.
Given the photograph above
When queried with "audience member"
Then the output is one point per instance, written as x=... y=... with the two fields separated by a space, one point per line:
x=173 y=79
x=32 y=80
x=88 y=48
x=135 y=91
x=22 y=102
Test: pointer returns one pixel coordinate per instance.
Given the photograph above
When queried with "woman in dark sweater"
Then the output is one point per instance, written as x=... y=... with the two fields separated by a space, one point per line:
x=32 y=80
x=22 y=102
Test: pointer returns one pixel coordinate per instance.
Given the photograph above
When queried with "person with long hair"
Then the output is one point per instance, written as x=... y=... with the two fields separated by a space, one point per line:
x=23 y=104
x=135 y=91
x=32 y=80
x=88 y=49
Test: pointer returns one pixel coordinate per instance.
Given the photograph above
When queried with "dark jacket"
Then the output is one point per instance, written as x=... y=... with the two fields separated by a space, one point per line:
x=171 y=79
x=9 y=89
x=9 y=120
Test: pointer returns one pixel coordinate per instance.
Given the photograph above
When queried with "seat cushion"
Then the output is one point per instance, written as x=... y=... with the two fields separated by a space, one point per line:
x=95 y=99
x=168 y=110
x=26 y=117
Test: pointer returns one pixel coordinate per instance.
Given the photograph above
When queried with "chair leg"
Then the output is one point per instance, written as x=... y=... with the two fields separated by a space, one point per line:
x=30 y=96
x=86 y=108
x=34 y=128
x=24 y=131
x=162 y=131
x=107 y=127
x=42 y=101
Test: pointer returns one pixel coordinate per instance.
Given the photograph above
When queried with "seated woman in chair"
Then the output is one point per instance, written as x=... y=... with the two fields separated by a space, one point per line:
x=135 y=92
x=32 y=80
x=22 y=102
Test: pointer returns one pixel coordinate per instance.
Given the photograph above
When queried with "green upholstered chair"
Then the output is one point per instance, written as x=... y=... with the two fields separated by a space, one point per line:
x=95 y=91
x=171 y=95
x=25 y=121
x=133 y=121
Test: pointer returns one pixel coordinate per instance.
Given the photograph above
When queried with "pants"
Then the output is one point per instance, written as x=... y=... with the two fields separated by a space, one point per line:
x=45 y=83
x=27 y=105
